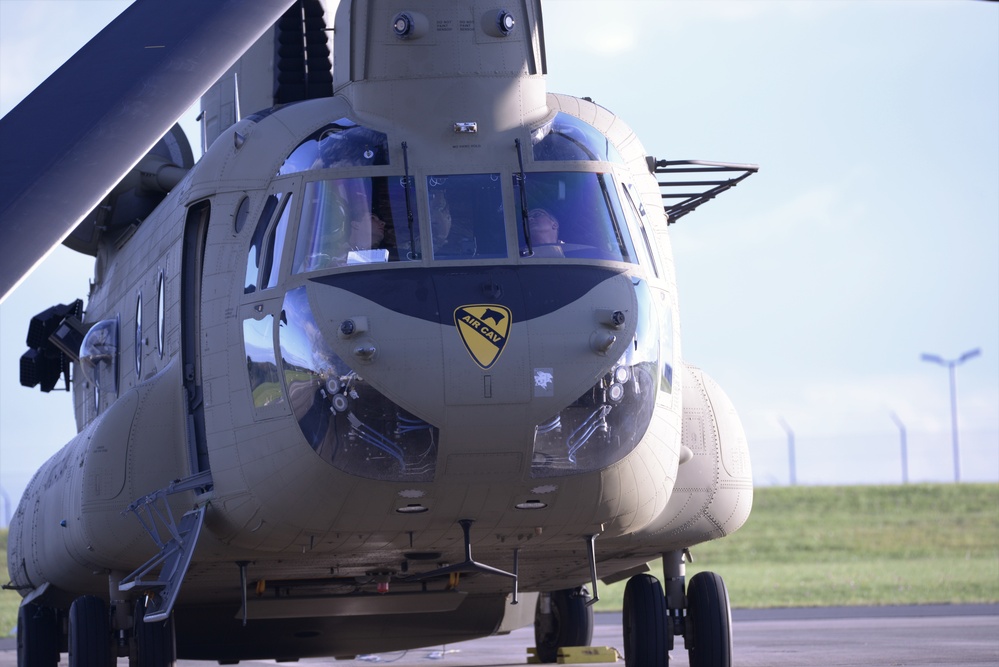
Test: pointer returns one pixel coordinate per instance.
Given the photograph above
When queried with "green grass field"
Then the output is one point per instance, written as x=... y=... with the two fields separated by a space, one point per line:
x=858 y=545
x=819 y=546
x=8 y=599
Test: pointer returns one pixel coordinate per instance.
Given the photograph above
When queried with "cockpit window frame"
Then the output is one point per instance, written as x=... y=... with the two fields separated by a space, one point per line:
x=269 y=248
x=276 y=245
x=635 y=212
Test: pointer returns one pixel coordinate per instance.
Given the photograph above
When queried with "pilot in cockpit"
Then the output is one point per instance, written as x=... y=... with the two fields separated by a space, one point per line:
x=368 y=237
x=440 y=221
x=450 y=240
x=367 y=231
x=544 y=234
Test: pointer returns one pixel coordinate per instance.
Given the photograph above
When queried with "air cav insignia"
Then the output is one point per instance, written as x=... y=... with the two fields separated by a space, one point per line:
x=484 y=329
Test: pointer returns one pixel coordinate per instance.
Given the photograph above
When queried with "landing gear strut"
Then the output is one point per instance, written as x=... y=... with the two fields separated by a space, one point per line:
x=562 y=618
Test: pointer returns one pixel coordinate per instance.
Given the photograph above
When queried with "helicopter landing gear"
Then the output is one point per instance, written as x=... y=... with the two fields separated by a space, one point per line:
x=562 y=618
x=646 y=631
x=708 y=630
x=89 y=633
x=154 y=642
x=701 y=615
x=37 y=636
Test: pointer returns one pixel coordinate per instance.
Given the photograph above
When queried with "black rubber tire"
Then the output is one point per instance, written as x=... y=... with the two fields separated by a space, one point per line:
x=709 y=622
x=155 y=643
x=646 y=637
x=37 y=636
x=90 y=633
x=570 y=623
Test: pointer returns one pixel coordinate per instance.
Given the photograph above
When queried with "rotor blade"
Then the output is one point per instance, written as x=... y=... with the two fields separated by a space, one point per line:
x=68 y=143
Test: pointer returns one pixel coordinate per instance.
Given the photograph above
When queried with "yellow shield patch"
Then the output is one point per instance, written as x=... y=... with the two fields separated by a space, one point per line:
x=484 y=329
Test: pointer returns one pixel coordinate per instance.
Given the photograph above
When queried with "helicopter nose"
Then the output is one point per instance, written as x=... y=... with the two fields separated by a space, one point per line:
x=484 y=354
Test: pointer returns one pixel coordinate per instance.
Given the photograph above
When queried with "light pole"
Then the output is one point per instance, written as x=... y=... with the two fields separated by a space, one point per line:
x=6 y=508
x=791 y=463
x=951 y=364
x=905 y=451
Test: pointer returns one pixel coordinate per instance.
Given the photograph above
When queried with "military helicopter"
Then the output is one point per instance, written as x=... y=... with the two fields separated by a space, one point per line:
x=412 y=306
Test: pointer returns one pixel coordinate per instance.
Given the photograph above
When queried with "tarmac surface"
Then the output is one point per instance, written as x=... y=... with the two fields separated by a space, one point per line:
x=966 y=635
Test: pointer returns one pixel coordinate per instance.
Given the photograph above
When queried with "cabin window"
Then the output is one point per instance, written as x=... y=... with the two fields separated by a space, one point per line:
x=466 y=216
x=160 y=313
x=575 y=215
x=350 y=221
x=242 y=213
x=343 y=143
x=138 y=335
x=261 y=364
x=99 y=357
x=566 y=137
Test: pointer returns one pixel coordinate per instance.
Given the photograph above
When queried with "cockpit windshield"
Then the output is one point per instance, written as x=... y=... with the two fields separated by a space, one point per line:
x=339 y=144
x=566 y=137
x=575 y=215
x=360 y=219
x=348 y=221
x=466 y=216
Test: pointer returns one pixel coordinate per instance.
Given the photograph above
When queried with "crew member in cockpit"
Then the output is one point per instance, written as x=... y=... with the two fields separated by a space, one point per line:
x=367 y=231
x=544 y=227
x=450 y=241
x=366 y=240
x=544 y=233
x=440 y=221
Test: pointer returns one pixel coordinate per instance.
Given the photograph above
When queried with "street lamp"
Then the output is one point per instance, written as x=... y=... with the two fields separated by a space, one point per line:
x=791 y=463
x=951 y=364
x=6 y=508
x=905 y=451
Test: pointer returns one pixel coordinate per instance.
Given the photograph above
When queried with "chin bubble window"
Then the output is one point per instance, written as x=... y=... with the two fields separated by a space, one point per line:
x=344 y=418
x=607 y=422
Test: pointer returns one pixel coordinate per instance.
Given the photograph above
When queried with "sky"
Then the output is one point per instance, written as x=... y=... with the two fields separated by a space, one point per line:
x=869 y=237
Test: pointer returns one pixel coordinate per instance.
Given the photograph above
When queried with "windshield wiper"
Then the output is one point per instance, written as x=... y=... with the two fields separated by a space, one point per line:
x=522 y=179
x=413 y=252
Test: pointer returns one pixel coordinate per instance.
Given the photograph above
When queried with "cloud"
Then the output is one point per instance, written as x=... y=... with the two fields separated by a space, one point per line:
x=594 y=30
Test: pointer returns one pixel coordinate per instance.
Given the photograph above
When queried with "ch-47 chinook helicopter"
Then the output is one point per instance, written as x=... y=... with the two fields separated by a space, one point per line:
x=396 y=363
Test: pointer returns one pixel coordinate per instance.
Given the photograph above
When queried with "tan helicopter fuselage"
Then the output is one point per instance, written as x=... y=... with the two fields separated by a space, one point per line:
x=352 y=409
